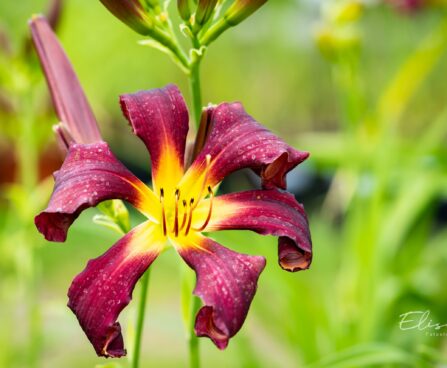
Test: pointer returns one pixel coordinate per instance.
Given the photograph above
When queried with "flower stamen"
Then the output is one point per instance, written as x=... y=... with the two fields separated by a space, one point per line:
x=184 y=216
x=191 y=208
x=210 y=211
x=163 y=215
x=177 y=197
x=205 y=179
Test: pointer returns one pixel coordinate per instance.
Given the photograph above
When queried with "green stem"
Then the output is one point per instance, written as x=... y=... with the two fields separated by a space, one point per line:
x=140 y=319
x=194 y=353
x=196 y=93
x=168 y=41
x=215 y=31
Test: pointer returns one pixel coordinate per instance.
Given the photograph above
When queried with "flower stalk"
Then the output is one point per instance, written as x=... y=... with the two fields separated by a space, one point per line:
x=140 y=318
x=196 y=91
x=194 y=347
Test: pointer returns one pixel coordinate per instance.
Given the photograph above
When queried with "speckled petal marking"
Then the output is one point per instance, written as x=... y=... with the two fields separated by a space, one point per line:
x=226 y=283
x=268 y=212
x=89 y=175
x=100 y=292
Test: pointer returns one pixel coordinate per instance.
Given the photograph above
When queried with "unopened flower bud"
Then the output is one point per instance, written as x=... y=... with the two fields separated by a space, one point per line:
x=132 y=13
x=183 y=9
x=242 y=9
x=204 y=11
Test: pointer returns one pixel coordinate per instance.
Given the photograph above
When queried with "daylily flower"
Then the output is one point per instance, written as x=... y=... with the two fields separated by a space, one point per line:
x=180 y=208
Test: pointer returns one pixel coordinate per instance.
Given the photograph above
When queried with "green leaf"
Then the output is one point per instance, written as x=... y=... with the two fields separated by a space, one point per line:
x=116 y=216
x=374 y=354
x=412 y=74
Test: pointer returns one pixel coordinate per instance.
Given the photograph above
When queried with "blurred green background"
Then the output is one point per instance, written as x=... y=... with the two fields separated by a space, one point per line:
x=362 y=87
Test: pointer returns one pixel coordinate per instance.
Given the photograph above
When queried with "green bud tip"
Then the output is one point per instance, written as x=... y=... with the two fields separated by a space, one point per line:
x=183 y=9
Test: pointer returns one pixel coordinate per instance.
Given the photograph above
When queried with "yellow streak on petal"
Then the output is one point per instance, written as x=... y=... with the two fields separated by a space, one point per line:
x=147 y=237
x=168 y=172
x=221 y=210
x=193 y=240
x=193 y=181
x=148 y=203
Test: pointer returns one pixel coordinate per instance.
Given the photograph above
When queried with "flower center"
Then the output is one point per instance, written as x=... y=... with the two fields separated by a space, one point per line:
x=177 y=208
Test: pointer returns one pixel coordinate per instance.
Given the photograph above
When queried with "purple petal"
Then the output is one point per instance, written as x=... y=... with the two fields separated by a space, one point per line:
x=226 y=283
x=69 y=100
x=268 y=212
x=237 y=141
x=160 y=118
x=100 y=292
x=90 y=174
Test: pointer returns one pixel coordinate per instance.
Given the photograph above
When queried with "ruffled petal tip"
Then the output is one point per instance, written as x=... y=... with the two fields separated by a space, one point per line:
x=290 y=257
x=99 y=293
x=226 y=283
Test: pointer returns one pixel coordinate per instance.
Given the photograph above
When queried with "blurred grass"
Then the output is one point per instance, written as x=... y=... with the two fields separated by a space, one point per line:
x=379 y=236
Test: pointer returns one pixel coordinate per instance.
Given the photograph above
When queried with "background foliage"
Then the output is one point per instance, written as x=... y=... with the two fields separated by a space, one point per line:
x=363 y=88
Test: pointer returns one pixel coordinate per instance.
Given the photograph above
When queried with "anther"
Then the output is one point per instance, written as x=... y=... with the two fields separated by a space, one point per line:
x=210 y=211
x=162 y=194
x=191 y=208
